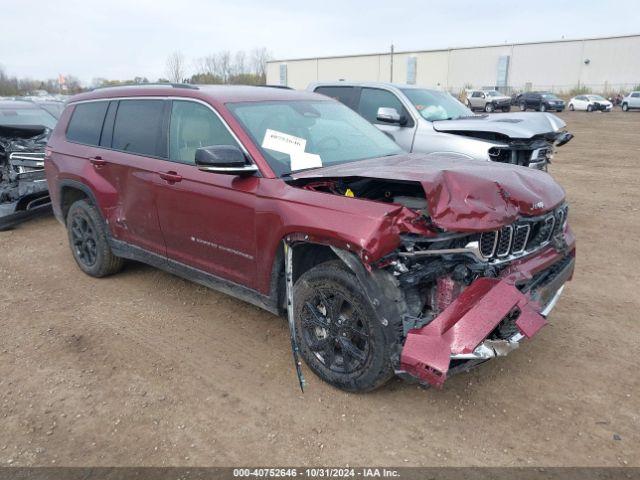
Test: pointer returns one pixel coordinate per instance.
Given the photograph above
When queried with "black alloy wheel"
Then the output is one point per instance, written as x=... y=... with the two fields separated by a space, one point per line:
x=84 y=240
x=335 y=332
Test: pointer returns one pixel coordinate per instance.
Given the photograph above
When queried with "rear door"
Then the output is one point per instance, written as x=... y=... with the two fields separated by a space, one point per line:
x=207 y=219
x=135 y=146
x=371 y=99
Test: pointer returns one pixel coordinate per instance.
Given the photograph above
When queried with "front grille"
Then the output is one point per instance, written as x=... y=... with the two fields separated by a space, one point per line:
x=523 y=237
x=504 y=241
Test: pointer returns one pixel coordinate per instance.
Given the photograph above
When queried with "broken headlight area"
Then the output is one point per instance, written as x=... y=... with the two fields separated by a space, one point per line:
x=23 y=186
x=463 y=303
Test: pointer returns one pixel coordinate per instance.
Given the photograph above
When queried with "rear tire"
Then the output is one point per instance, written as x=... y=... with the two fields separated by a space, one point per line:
x=88 y=241
x=469 y=105
x=338 y=331
x=506 y=109
x=543 y=107
x=589 y=108
x=489 y=108
x=523 y=107
x=571 y=107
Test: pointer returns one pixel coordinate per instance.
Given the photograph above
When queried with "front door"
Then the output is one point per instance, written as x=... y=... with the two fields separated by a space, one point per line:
x=207 y=219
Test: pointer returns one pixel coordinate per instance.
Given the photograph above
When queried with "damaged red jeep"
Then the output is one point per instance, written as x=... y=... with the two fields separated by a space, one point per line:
x=386 y=263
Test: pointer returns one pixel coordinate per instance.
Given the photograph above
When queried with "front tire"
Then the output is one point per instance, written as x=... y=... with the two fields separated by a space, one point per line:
x=88 y=241
x=338 y=331
x=543 y=107
x=506 y=109
x=571 y=107
x=589 y=108
x=523 y=107
x=625 y=107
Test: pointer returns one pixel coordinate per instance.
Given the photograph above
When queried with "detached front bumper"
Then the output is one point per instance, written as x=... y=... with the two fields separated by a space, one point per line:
x=462 y=334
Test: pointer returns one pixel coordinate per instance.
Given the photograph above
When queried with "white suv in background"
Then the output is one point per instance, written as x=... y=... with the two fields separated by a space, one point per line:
x=631 y=101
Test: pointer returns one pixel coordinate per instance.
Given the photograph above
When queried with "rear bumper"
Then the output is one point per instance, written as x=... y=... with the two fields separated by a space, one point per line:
x=464 y=332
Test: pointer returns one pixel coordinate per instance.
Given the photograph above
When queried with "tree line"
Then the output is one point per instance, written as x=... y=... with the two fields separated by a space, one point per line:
x=224 y=67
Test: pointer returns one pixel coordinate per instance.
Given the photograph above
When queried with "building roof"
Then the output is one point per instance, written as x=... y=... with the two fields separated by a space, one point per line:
x=469 y=47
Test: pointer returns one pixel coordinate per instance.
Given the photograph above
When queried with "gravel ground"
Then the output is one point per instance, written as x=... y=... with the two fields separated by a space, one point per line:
x=144 y=368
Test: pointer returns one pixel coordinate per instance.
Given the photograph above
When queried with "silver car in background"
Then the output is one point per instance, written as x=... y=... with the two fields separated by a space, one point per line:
x=631 y=101
x=488 y=100
x=433 y=121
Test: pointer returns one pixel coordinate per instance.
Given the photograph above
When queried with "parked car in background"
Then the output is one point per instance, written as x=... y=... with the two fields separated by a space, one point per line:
x=24 y=130
x=540 y=101
x=631 y=101
x=590 y=103
x=432 y=121
x=385 y=262
x=488 y=100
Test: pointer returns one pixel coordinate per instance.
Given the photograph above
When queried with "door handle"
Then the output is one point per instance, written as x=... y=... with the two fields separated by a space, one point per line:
x=170 y=176
x=97 y=161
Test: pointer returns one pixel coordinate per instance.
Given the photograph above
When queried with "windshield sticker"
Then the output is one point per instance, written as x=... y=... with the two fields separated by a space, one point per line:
x=304 y=160
x=282 y=142
x=294 y=147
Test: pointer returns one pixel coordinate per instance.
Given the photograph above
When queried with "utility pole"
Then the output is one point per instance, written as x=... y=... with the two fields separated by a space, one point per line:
x=391 y=63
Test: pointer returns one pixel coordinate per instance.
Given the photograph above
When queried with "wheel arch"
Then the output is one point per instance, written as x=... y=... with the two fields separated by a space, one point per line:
x=71 y=191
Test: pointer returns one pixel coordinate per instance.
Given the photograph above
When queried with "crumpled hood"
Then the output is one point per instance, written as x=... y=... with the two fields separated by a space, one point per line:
x=462 y=195
x=513 y=125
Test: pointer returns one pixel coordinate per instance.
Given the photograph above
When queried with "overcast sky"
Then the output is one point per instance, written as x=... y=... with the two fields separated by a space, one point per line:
x=120 y=39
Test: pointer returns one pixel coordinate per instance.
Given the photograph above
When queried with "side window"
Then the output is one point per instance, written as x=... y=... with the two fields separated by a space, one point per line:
x=193 y=126
x=476 y=94
x=138 y=127
x=635 y=95
x=342 y=94
x=86 y=122
x=371 y=99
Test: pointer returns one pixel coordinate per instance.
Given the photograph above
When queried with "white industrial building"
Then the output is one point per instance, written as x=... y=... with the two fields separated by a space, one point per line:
x=601 y=64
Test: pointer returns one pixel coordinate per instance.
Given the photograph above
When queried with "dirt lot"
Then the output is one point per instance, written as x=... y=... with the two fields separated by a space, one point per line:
x=144 y=368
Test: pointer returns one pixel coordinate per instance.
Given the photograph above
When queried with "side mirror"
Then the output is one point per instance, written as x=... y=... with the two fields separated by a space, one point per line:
x=390 y=115
x=484 y=96
x=226 y=159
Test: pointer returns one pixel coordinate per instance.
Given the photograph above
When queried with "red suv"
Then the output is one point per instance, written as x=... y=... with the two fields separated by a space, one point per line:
x=385 y=262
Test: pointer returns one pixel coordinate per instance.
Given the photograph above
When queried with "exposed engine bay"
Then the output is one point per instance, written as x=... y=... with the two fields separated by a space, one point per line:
x=428 y=274
x=23 y=186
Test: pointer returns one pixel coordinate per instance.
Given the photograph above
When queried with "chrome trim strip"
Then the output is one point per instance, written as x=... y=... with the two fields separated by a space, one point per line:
x=552 y=303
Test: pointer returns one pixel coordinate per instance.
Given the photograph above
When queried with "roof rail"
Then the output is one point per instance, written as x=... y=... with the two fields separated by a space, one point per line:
x=156 y=84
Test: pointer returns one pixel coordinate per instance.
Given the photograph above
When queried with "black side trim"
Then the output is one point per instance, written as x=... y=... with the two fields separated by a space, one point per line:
x=132 y=252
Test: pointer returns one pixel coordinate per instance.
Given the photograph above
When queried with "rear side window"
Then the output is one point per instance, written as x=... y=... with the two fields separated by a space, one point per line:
x=635 y=95
x=342 y=94
x=138 y=128
x=86 y=122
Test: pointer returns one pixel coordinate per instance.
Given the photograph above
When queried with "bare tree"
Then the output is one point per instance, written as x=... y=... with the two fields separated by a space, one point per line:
x=176 y=71
x=239 y=64
x=259 y=58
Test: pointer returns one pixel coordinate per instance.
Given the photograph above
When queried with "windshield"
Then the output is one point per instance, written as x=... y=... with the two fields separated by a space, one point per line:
x=595 y=97
x=298 y=134
x=493 y=93
x=26 y=116
x=433 y=105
